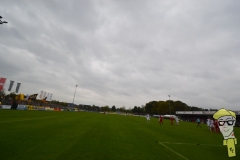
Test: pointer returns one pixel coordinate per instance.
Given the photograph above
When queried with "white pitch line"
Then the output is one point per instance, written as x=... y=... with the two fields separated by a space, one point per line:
x=193 y=144
x=173 y=151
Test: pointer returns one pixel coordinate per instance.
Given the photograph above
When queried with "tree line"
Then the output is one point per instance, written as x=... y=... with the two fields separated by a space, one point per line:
x=152 y=107
x=169 y=106
x=156 y=107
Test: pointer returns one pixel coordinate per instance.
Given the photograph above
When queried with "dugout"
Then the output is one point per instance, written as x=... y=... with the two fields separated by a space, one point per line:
x=191 y=116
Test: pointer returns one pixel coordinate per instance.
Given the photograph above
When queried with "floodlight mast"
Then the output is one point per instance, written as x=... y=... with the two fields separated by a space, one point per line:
x=1 y=22
x=169 y=104
x=74 y=95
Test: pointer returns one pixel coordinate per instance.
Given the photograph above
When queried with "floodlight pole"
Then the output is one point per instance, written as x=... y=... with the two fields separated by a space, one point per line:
x=74 y=94
x=169 y=104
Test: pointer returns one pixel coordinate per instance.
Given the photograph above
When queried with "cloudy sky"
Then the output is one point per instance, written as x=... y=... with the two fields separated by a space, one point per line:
x=124 y=53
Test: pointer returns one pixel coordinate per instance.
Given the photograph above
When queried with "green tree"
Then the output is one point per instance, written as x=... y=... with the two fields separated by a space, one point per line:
x=2 y=95
x=148 y=106
x=11 y=95
x=123 y=109
x=134 y=110
x=163 y=108
x=113 y=109
x=154 y=108
x=105 y=109
x=195 y=109
x=180 y=106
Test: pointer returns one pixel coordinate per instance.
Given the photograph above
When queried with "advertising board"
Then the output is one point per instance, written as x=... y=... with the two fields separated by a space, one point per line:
x=21 y=107
x=6 y=107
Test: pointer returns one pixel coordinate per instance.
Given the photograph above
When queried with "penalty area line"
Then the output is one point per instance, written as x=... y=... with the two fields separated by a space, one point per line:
x=173 y=151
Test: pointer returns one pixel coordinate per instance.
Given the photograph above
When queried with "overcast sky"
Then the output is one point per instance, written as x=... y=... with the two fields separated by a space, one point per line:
x=124 y=52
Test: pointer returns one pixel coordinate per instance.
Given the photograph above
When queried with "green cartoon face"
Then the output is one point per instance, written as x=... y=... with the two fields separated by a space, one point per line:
x=226 y=124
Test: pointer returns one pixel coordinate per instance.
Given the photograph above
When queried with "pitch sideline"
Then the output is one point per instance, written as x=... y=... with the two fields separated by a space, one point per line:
x=193 y=144
x=173 y=151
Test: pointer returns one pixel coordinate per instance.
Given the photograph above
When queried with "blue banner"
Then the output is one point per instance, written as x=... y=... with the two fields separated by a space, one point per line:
x=21 y=107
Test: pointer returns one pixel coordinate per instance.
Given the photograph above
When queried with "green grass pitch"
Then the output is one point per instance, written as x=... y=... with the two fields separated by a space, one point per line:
x=93 y=136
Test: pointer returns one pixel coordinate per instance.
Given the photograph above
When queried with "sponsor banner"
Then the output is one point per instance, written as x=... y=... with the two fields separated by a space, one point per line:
x=57 y=109
x=0 y=106
x=197 y=112
x=6 y=107
x=21 y=107
x=210 y=112
x=187 y=112
x=30 y=107
x=178 y=112
x=41 y=108
x=47 y=108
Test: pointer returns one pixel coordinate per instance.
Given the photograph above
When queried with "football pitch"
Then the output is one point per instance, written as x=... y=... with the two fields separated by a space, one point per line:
x=94 y=136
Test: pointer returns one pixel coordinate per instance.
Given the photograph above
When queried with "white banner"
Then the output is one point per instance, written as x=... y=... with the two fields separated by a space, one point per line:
x=41 y=94
x=21 y=107
x=44 y=95
x=50 y=98
x=6 y=107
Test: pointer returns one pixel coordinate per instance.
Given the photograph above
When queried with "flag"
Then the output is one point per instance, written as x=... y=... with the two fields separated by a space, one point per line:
x=26 y=97
x=44 y=99
x=50 y=97
x=10 y=86
x=18 y=86
x=2 y=82
x=44 y=94
x=41 y=95
x=32 y=97
x=20 y=97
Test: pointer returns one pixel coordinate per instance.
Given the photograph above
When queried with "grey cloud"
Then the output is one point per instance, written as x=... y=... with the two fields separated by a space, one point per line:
x=124 y=53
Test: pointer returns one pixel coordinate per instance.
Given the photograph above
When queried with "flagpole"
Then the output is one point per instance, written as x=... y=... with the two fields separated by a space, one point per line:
x=169 y=104
x=10 y=89
x=74 y=95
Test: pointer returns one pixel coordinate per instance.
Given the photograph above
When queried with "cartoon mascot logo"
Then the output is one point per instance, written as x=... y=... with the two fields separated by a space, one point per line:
x=226 y=122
